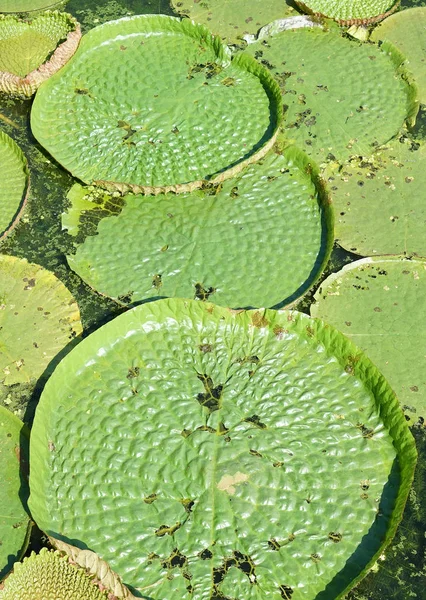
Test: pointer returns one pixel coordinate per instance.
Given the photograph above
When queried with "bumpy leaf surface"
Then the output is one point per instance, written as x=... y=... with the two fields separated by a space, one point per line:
x=14 y=181
x=260 y=239
x=38 y=318
x=379 y=202
x=14 y=520
x=232 y=19
x=407 y=31
x=49 y=575
x=25 y=46
x=350 y=10
x=155 y=102
x=343 y=98
x=379 y=304
x=221 y=454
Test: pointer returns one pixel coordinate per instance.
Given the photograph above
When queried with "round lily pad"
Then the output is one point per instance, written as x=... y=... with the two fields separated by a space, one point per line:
x=250 y=454
x=379 y=304
x=351 y=12
x=233 y=19
x=30 y=52
x=38 y=318
x=164 y=109
x=406 y=30
x=14 y=6
x=14 y=520
x=14 y=183
x=342 y=106
x=260 y=239
x=379 y=201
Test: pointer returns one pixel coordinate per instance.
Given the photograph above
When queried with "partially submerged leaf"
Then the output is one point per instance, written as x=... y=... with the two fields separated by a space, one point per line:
x=407 y=31
x=351 y=12
x=13 y=185
x=342 y=98
x=164 y=109
x=15 y=6
x=248 y=454
x=38 y=318
x=260 y=239
x=31 y=52
x=379 y=201
x=379 y=304
x=14 y=519
x=234 y=19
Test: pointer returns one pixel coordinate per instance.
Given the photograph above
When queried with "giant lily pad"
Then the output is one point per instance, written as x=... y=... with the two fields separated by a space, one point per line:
x=165 y=107
x=379 y=202
x=14 y=182
x=379 y=304
x=14 y=520
x=342 y=106
x=51 y=575
x=31 y=52
x=38 y=318
x=351 y=12
x=259 y=239
x=407 y=31
x=233 y=19
x=250 y=454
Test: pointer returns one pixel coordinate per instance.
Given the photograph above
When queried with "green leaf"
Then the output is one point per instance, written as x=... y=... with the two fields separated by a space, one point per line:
x=234 y=19
x=50 y=575
x=406 y=30
x=378 y=304
x=38 y=318
x=379 y=202
x=14 y=6
x=256 y=454
x=14 y=183
x=30 y=52
x=276 y=223
x=349 y=12
x=343 y=98
x=14 y=520
x=164 y=109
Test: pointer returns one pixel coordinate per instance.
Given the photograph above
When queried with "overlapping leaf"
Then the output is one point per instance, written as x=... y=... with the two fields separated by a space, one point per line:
x=379 y=304
x=379 y=202
x=343 y=98
x=14 y=182
x=14 y=519
x=260 y=239
x=38 y=318
x=165 y=107
x=183 y=443
x=351 y=11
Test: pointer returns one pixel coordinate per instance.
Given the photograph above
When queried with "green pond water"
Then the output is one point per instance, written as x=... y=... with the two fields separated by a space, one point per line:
x=401 y=574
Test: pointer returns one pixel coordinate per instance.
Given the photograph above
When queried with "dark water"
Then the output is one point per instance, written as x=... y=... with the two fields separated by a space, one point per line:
x=39 y=238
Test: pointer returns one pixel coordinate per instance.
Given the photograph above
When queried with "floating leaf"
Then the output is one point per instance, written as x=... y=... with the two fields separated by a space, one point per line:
x=379 y=202
x=14 y=6
x=275 y=221
x=50 y=575
x=342 y=106
x=248 y=454
x=233 y=20
x=31 y=52
x=351 y=12
x=164 y=109
x=379 y=304
x=407 y=31
x=14 y=183
x=38 y=318
x=14 y=520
